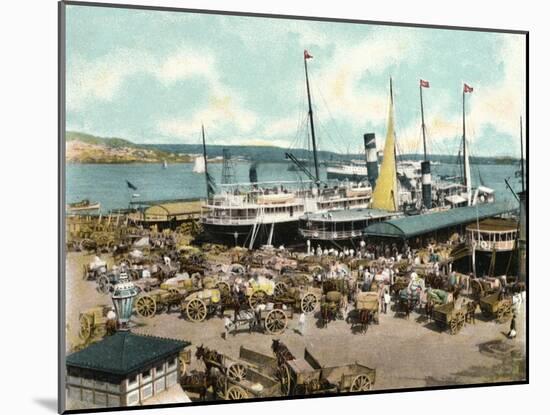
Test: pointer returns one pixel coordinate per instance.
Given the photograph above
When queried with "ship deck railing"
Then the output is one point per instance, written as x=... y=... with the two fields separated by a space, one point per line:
x=248 y=220
x=330 y=235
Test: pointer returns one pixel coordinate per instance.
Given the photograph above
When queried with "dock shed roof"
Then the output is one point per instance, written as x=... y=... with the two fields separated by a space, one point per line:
x=124 y=352
x=409 y=226
x=174 y=208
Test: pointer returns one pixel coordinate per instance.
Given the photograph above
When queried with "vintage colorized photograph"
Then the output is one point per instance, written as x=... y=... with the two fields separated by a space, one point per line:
x=280 y=207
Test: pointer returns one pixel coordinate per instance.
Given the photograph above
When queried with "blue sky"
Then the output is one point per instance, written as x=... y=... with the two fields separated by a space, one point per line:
x=153 y=77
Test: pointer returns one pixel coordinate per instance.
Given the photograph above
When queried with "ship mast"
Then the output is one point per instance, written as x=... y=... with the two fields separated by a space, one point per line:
x=317 y=179
x=208 y=190
x=423 y=125
x=466 y=161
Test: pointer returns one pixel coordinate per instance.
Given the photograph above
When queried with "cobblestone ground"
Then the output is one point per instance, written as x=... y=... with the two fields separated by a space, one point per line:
x=405 y=352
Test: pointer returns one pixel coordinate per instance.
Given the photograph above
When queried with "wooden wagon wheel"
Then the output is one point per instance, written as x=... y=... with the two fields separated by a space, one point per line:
x=196 y=310
x=284 y=376
x=257 y=297
x=275 y=321
x=502 y=313
x=280 y=289
x=85 y=327
x=221 y=386
x=103 y=284
x=453 y=325
x=461 y=320
x=146 y=306
x=235 y=393
x=361 y=383
x=309 y=303
x=225 y=291
x=236 y=372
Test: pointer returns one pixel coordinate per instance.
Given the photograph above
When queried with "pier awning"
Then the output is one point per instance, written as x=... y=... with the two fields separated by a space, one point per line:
x=410 y=226
x=174 y=210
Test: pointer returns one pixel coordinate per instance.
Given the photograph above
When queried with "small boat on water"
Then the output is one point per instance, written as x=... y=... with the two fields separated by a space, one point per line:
x=83 y=206
x=164 y=164
x=199 y=166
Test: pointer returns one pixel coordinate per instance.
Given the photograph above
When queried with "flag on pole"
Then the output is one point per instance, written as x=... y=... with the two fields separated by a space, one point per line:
x=307 y=55
x=424 y=84
x=468 y=89
x=130 y=185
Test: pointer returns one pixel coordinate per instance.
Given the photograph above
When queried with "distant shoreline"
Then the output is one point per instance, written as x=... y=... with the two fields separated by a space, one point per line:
x=88 y=149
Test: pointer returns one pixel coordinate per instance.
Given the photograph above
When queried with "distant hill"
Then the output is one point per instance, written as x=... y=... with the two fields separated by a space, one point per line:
x=87 y=148
x=277 y=154
x=92 y=139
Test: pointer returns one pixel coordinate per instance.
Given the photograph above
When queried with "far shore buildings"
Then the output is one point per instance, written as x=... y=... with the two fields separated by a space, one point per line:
x=124 y=369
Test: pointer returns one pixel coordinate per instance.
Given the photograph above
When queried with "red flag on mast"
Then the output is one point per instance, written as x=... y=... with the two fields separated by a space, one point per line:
x=424 y=84
x=307 y=55
x=468 y=89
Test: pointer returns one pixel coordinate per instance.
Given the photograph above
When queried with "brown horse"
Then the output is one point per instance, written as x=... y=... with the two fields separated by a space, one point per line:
x=365 y=317
x=281 y=352
x=211 y=358
x=471 y=308
x=197 y=382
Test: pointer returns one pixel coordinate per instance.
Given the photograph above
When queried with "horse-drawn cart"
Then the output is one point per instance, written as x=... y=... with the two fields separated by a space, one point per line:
x=271 y=318
x=449 y=316
x=306 y=376
x=94 y=322
x=236 y=379
x=496 y=306
x=367 y=306
x=150 y=303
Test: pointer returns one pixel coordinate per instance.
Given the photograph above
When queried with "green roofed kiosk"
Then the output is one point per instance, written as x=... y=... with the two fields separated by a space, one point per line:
x=124 y=369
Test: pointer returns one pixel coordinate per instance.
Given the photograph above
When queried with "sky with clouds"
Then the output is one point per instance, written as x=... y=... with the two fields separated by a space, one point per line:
x=154 y=77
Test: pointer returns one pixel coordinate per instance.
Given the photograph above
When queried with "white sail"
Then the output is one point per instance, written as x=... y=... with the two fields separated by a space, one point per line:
x=199 y=166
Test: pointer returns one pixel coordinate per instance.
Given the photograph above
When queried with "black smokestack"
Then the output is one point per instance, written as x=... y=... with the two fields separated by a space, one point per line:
x=372 y=157
x=426 y=185
x=253 y=173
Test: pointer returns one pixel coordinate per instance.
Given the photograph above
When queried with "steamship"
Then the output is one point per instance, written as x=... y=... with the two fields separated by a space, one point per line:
x=403 y=188
x=258 y=213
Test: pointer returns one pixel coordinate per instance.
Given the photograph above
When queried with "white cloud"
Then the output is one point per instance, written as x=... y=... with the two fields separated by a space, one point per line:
x=185 y=64
x=501 y=103
x=221 y=113
x=102 y=79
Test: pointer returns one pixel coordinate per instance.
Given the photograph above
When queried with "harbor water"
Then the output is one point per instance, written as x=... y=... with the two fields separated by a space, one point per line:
x=106 y=183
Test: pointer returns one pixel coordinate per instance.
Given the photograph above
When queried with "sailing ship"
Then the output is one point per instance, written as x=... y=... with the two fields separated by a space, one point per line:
x=199 y=166
x=401 y=188
x=258 y=213
x=164 y=164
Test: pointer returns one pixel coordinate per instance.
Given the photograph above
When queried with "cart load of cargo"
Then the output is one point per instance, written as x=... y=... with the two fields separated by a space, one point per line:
x=306 y=376
x=496 y=306
x=450 y=316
